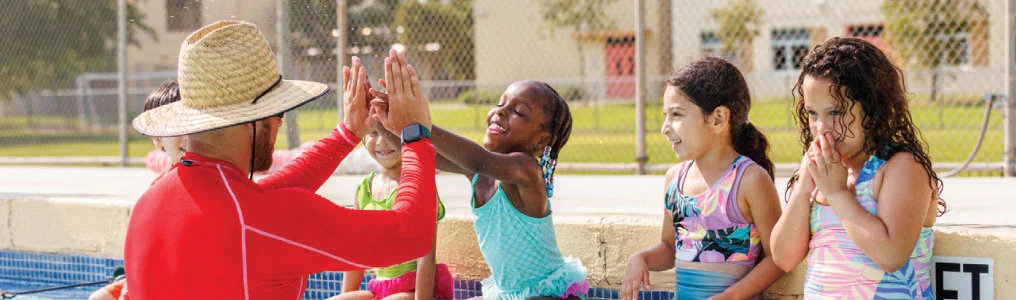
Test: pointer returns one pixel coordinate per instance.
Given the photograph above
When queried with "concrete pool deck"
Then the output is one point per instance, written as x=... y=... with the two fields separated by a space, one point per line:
x=600 y=219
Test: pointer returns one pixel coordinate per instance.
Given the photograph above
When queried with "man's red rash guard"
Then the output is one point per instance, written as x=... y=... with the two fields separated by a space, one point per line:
x=205 y=231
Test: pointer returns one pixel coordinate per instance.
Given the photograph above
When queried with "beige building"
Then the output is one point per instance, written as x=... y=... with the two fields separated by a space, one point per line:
x=174 y=20
x=790 y=28
x=513 y=42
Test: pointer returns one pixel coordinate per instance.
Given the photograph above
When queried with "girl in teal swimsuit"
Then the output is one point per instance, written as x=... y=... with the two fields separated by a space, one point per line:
x=512 y=183
x=512 y=177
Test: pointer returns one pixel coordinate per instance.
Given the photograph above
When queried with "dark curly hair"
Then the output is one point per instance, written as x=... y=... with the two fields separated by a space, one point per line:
x=712 y=82
x=861 y=74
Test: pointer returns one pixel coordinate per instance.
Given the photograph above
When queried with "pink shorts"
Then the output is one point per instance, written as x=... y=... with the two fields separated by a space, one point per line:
x=444 y=285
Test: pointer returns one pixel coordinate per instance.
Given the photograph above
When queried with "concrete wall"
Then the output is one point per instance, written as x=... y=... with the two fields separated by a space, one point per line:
x=68 y=225
x=64 y=225
x=604 y=245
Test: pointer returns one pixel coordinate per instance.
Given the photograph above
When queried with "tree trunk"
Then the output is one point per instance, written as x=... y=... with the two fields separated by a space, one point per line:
x=934 y=84
x=28 y=110
x=934 y=96
x=665 y=42
x=582 y=75
x=582 y=57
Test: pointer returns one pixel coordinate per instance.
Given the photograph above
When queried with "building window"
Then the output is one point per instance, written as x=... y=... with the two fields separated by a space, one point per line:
x=713 y=46
x=866 y=31
x=183 y=15
x=871 y=33
x=955 y=48
x=789 y=48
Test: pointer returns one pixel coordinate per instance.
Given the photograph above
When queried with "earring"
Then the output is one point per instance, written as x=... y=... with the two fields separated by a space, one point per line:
x=548 y=166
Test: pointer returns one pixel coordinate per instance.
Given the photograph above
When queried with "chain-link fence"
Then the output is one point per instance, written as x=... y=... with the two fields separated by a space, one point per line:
x=59 y=96
x=953 y=54
x=468 y=52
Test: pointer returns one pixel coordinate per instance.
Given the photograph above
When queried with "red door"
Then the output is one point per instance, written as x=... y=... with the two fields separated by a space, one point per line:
x=620 y=67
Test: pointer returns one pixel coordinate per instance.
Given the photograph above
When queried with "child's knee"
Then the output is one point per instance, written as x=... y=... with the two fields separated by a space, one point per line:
x=401 y=296
x=101 y=294
x=354 y=295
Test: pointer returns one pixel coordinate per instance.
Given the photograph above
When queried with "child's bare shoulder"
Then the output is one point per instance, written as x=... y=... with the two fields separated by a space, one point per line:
x=757 y=180
x=672 y=172
x=904 y=161
x=523 y=160
x=756 y=174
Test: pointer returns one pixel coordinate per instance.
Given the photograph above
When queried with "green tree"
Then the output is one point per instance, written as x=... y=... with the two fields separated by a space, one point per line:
x=580 y=16
x=439 y=36
x=312 y=26
x=739 y=24
x=48 y=43
x=374 y=25
x=923 y=32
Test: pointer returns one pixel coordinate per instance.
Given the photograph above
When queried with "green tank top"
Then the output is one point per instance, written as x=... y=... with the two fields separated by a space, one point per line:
x=365 y=201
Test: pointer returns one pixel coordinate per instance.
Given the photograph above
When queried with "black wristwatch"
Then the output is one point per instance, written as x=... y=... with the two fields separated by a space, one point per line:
x=414 y=133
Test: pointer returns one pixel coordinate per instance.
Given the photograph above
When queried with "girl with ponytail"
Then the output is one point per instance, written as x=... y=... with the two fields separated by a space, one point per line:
x=721 y=202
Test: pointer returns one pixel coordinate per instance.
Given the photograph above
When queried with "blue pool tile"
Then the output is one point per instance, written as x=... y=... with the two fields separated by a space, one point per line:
x=42 y=270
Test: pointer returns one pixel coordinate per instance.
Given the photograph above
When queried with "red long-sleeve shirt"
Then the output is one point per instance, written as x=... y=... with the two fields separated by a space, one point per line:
x=205 y=231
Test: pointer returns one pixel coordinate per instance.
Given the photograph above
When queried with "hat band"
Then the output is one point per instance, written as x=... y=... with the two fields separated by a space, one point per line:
x=269 y=89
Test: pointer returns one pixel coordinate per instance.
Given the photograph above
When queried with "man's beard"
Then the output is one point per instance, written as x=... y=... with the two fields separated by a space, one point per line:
x=263 y=150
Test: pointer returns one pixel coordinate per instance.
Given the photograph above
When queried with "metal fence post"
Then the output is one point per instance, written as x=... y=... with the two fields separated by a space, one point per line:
x=640 y=87
x=285 y=68
x=80 y=93
x=1009 y=158
x=121 y=25
x=340 y=51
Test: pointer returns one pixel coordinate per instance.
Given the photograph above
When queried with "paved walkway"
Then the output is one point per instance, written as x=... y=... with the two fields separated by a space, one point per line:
x=972 y=201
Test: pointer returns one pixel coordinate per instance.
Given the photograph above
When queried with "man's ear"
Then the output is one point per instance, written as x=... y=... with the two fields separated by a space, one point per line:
x=157 y=142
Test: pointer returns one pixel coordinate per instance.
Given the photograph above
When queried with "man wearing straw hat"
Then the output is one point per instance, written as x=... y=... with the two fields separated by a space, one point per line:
x=206 y=230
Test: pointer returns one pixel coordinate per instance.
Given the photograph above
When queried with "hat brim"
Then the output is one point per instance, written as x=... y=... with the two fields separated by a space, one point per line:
x=176 y=119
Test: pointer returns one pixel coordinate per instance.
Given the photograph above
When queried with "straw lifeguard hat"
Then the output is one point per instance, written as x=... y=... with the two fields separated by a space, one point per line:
x=227 y=76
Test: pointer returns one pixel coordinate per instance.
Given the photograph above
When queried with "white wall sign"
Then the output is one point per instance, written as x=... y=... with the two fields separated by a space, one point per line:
x=963 y=278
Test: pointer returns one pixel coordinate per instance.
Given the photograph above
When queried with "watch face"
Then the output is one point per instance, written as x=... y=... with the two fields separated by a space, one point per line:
x=411 y=133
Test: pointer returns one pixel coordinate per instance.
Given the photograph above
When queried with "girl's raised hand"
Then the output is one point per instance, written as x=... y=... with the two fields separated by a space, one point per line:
x=356 y=115
x=379 y=104
x=805 y=181
x=406 y=103
x=826 y=167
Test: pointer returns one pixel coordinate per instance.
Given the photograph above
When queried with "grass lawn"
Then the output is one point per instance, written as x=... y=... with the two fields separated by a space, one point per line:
x=601 y=133
x=604 y=133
